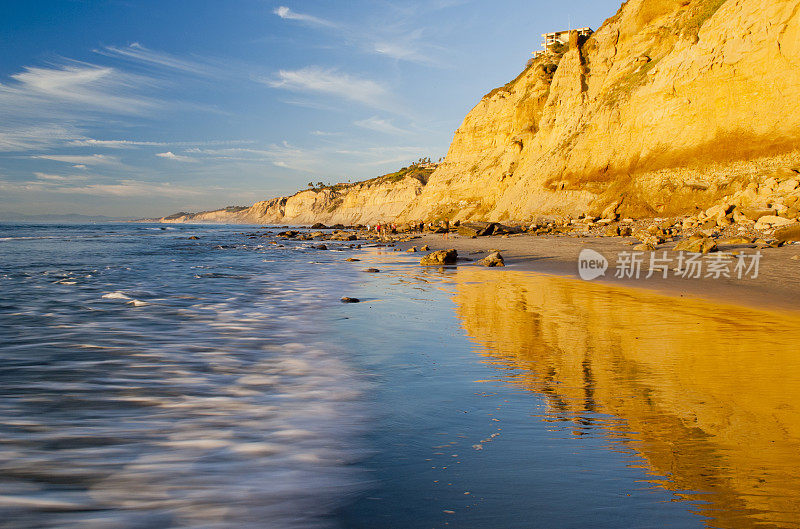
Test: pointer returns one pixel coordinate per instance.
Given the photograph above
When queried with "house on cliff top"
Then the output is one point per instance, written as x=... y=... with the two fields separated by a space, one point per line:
x=559 y=38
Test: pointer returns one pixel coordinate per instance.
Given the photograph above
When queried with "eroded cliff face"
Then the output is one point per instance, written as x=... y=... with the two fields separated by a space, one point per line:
x=654 y=108
x=362 y=203
x=670 y=107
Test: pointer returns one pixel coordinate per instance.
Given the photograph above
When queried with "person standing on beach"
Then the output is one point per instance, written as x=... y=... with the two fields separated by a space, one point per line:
x=446 y=234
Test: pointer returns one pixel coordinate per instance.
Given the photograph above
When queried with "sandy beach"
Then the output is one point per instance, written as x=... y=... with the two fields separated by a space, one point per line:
x=777 y=285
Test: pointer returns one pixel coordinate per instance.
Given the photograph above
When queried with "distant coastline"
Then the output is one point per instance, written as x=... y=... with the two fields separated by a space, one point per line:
x=54 y=218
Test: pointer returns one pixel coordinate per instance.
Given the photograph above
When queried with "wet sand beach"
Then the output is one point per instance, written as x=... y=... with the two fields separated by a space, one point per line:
x=777 y=284
x=697 y=395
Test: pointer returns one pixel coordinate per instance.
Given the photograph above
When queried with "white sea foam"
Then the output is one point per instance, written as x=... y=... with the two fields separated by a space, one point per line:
x=115 y=295
x=193 y=412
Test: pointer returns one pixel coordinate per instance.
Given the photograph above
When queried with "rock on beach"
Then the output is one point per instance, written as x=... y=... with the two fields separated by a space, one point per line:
x=492 y=260
x=440 y=257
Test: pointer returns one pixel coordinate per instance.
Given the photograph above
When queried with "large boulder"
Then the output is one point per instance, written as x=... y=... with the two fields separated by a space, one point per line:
x=756 y=214
x=787 y=233
x=772 y=221
x=493 y=259
x=440 y=257
x=696 y=244
x=502 y=229
x=475 y=229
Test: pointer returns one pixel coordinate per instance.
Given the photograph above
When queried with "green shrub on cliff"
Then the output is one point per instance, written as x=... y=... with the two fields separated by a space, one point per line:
x=703 y=12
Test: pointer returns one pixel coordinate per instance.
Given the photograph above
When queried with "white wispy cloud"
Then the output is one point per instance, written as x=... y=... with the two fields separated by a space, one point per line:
x=409 y=46
x=20 y=136
x=318 y=160
x=287 y=14
x=313 y=79
x=169 y=155
x=58 y=177
x=42 y=107
x=281 y=154
x=77 y=159
x=138 y=53
x=380 y=125
x=131 y=188
x=383 y=155
x=124 y=188
x=114 y=144
x=397 y=36
x=126 y=144
x=78 y=86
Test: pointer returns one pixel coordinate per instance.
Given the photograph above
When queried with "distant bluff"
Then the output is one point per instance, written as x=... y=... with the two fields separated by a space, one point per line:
x=670 y=106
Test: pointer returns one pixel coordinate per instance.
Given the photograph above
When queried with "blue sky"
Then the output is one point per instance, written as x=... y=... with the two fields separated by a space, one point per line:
x=139 y=108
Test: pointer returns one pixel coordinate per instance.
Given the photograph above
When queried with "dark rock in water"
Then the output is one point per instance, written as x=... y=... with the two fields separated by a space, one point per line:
x=338 y=227
x=290 y=234
x=319 y=226
x=194 y=238
x=352 y=260
x=350 y=300
x=371 y=270
x=440 y=257
x=321 y=247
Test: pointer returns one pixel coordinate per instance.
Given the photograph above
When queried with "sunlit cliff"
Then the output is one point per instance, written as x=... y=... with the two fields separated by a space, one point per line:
x=669 y=106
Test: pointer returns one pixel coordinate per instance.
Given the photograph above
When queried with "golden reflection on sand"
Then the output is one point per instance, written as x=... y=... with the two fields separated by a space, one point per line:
x=707 y=394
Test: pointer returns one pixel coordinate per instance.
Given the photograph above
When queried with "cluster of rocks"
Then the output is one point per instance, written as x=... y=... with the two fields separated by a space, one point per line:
x=450 y=256
x=483 y=229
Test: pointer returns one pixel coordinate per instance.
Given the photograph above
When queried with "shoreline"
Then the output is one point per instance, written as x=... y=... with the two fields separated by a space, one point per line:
x=777 y=286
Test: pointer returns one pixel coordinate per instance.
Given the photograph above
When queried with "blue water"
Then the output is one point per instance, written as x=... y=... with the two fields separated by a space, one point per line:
x=150 y=380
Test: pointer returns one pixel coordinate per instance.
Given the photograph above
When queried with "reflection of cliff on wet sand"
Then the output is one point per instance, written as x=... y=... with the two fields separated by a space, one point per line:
x=708 y=392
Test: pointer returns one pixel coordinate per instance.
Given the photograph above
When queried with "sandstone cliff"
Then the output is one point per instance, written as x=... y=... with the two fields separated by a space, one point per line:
x=671 y=106
x=655 y=108
x=376 y=200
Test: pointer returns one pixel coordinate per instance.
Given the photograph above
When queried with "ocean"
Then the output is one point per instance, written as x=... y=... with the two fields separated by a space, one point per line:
x=149 y=379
